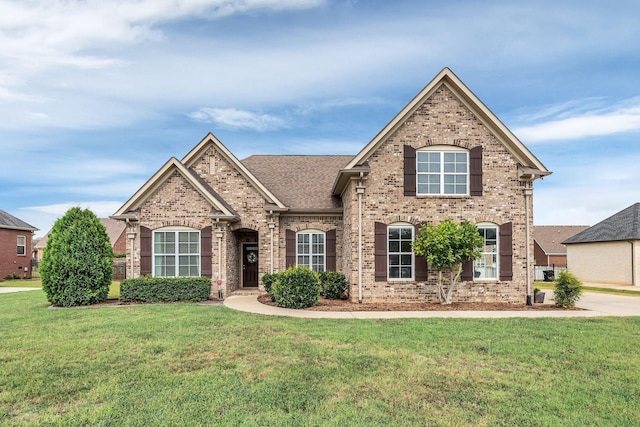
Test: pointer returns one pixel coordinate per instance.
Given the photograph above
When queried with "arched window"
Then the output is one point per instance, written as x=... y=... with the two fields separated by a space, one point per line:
x=311 y=249
x=486 y=267
x=176 y=252
x=442 y=170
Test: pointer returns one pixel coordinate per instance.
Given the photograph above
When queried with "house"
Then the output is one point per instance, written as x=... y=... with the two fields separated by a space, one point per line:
x=445 y=155
x=15 y=246
x=548 y=249
x=608 y=252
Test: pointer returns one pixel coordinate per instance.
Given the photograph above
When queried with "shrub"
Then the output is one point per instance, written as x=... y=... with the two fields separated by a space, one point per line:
x=332 y=284
x=567 y=290
x=297 y=287
x=165 y=289
x=268 y=280
x=77 y=261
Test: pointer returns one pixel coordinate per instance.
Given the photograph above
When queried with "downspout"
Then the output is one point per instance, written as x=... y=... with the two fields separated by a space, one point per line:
x=360 y=192
x=219 y=235
x=528 y=192
x=272 y=226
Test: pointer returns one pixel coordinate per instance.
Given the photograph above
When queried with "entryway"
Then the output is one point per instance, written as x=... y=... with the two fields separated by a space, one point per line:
x=250 y=265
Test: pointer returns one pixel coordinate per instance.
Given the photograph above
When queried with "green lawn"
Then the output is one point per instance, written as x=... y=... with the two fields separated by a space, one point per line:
x=189 y=364
x=114 y=290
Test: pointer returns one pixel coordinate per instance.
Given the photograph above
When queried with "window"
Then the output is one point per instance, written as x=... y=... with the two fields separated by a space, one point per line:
x=442 y=172
x=22 y=245
x=176 y=253
x=486 y=267
x=400 y=252
x=310 y=250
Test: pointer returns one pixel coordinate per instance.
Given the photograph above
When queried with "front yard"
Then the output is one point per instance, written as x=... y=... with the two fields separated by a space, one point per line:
x=190 y=364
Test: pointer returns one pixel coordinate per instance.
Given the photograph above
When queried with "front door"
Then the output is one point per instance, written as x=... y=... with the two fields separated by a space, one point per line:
x=249 y=265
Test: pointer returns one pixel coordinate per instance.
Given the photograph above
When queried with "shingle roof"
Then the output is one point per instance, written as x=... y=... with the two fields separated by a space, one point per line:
x=300 y=182
x=624 y=225
x=9 y=221
x=550 y=237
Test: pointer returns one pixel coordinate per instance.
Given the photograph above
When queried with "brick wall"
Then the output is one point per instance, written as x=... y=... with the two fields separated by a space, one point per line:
x=10 y=261
x=441 y=120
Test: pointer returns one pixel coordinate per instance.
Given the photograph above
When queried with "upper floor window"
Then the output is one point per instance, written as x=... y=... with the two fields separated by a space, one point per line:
x=310 y=250
x=176 y=253
x=441 y=171
x=400 y=252
x=486 y=267
x=22 y=245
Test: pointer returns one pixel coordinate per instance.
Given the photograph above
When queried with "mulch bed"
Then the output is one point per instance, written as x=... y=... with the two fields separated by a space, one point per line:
x=345 y=305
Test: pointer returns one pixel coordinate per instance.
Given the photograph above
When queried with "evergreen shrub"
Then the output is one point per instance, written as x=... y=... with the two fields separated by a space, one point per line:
x=332 y=284
x=297 y=287
x=568 y=290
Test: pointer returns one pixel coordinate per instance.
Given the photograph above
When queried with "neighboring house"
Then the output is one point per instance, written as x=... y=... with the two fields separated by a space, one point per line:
x=115 y=231
x=548 y=248
x=608 y=252
x=15 y=246
x=445 y=155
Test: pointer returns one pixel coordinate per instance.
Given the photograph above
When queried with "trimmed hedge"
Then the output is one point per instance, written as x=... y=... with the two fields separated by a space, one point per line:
x=297 y=287
x=268 y=280
x=332 y=284
x=165 y=289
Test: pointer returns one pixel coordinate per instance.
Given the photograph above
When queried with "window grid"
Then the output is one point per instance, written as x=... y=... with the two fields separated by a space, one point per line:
x=176 y=253
x=486 y=267
x=400 y=252
x=442 y=172
x=310 y=250
x=22 y=245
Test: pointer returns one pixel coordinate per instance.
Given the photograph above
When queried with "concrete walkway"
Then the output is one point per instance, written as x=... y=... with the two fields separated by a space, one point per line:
x=4 y=290
x=593 y=305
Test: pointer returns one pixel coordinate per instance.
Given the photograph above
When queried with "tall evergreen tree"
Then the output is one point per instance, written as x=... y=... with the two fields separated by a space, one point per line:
x=76 y=267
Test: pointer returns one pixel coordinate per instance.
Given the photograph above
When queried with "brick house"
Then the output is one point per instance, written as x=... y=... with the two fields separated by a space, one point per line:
x=15 y=246
x=445 y=155
x=549 y=251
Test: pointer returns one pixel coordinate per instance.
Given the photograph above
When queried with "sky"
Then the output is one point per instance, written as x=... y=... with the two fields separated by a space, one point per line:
x=96 y=96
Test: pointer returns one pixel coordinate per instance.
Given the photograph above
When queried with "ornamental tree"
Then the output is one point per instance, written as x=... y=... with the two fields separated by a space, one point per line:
x=76 y=267
x=446 y=247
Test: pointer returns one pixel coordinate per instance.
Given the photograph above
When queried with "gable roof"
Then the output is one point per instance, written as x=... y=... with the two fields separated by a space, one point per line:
x=301 y=182
x=531 y=165
x=550 y=237
x=224 y=211
x=10 y=222
x=624 y=225
x=210 y=139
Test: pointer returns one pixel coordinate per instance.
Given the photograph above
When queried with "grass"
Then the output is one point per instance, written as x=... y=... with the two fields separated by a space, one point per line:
x=190 y=364
x=114 y=289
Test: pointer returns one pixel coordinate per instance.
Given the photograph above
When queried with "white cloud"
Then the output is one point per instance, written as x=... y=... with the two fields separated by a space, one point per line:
x=232 y=118
x=573 y=122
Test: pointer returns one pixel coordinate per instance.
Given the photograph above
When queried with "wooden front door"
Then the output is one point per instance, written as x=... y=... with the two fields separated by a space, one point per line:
x=250 y=265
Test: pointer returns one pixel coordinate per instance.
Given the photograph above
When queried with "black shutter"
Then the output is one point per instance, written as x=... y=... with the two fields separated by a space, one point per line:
x=475 y=171
x=467 y=271
x=422 y=272
x=409 y=171
x=205 y=252
x=331 y=250
x=506 y=251
x=145 y=251
x=380 y=252
x=290 y=258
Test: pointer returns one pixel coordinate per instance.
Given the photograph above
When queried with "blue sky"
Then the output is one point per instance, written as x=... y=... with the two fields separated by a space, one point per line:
x=95 y=96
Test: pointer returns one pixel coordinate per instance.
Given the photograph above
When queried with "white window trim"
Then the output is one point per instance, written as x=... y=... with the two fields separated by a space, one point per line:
x=497 y=228
x=175 y=230
x=442 y=149
x=413 y=256
x=311 y=254
x=24 y=245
